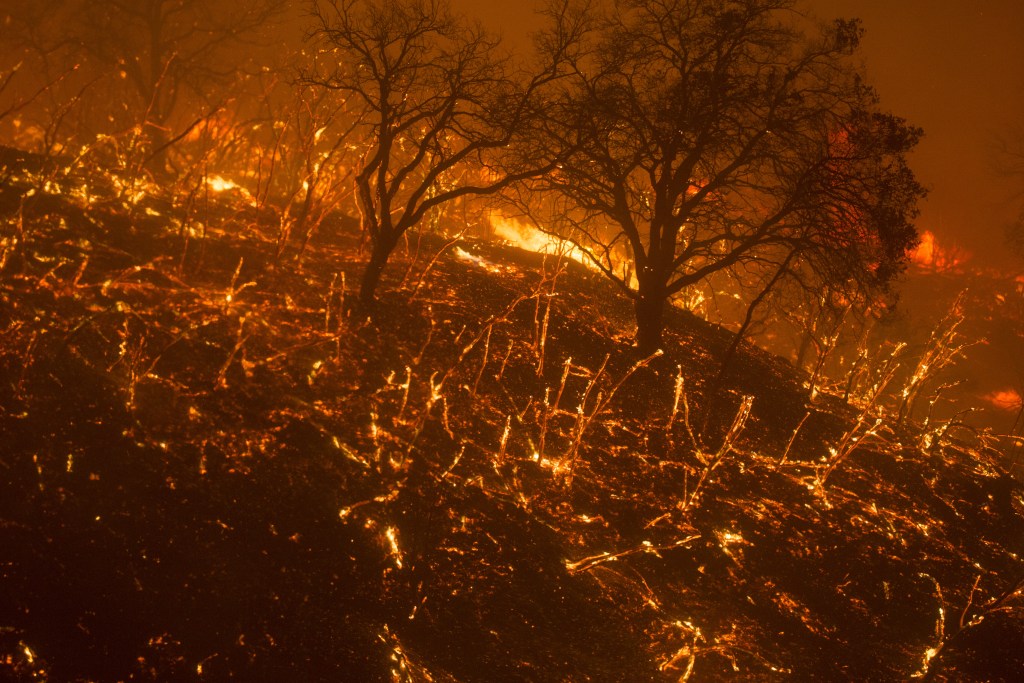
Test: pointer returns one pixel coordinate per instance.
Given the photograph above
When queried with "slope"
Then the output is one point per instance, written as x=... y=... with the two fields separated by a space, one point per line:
x=211 y=467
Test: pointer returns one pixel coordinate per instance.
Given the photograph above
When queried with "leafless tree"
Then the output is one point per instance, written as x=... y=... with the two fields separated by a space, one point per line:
x=441 y=108
x=717 y=135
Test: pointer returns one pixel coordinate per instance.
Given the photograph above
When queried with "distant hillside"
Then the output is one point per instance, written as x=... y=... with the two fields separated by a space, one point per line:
x=212 y=467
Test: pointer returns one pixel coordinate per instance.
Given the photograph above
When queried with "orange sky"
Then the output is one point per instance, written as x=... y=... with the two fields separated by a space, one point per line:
x=953 y=67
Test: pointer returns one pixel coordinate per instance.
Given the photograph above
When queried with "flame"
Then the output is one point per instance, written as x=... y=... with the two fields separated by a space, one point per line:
x=219 y=184
x=531 y=239
x=932 y=255
x=1004 y=399
x=924 y=254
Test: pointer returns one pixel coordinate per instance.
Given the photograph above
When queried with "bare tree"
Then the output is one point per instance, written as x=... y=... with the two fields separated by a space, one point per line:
x=716 y=135
x=441 y=109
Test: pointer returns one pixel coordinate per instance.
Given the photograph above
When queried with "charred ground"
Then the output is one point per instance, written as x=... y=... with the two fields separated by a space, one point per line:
x=210 y=467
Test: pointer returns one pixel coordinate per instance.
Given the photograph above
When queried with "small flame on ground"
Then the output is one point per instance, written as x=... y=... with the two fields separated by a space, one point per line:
x=219 y=184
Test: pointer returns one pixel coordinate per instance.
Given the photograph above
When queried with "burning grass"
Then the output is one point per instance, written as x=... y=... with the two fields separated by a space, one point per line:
x=212 y=467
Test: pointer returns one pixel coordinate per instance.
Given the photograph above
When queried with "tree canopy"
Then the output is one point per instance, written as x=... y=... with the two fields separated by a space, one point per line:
x=717 y=135
x=439 y=108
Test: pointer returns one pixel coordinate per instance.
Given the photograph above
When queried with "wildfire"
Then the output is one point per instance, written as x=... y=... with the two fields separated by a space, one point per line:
x=930 y=254
x=532 y=239
x=219 y=184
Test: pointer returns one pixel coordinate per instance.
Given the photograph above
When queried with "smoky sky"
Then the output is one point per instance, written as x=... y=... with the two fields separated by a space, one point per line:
x=952 y=67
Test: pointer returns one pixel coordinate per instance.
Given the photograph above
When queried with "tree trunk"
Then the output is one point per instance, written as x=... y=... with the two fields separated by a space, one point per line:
x=650 y=320
x=158 y=152
x=371 y=276
x=734 y=345
x=748 y=319
x=806 y=340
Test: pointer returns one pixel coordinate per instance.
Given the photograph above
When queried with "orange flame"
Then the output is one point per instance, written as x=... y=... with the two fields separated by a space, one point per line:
x=933 y=256
x=531 y=239
x=924 y=254
x=220 y=184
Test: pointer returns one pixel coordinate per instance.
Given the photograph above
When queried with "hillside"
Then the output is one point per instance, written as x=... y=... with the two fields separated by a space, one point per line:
x=212 y=468
x=992 y=369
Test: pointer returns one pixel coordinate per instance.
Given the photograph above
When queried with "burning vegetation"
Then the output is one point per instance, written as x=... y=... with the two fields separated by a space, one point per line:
x=931 y=255
x=386 y=357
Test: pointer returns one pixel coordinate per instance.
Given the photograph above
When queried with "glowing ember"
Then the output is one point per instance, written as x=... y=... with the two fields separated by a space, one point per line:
x=492 y=466
x=392 y=536
x=219 y=184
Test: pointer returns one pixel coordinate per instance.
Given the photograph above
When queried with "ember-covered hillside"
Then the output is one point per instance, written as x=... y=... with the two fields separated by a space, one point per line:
x=212 y=467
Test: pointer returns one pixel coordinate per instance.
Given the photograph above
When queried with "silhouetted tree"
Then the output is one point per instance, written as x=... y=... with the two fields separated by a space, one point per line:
x=716 y=135
x=440 y=109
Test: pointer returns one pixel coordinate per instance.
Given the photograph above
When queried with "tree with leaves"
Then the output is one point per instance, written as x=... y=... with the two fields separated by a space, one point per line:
x=440 y=110
x=712 y=135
